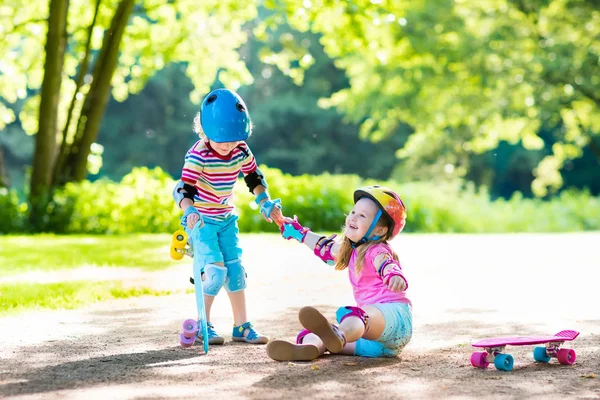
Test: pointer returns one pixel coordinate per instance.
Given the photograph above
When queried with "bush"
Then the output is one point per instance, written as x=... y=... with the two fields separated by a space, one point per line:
x=142 y=203
x=11 y=213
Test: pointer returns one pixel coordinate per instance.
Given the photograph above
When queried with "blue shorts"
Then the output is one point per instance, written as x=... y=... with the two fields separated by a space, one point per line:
x=218 y=240
x=396 y=334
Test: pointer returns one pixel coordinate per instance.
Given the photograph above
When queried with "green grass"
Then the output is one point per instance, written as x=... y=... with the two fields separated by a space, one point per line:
x=17 y=297
x=20 y=254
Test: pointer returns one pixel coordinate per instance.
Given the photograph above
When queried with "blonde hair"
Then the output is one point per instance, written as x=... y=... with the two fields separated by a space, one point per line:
x=197 y=127
x=342 y=260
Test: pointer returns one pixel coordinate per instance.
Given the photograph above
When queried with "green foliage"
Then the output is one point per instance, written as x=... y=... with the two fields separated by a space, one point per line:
x=16 y=297
x=142 y=203
x=11 y=217
x=46 y=252
x=466 y=75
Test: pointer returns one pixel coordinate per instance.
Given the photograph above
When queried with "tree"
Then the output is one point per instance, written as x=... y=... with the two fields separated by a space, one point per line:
x=465 y=75
x=93 y=49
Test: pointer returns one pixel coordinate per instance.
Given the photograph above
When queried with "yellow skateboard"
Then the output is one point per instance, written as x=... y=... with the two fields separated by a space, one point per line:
x=179 y=245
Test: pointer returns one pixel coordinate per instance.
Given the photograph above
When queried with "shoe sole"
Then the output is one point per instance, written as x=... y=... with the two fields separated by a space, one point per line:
x=216 y=340
x=280 y=350
x=315 y=322
x=260 y=340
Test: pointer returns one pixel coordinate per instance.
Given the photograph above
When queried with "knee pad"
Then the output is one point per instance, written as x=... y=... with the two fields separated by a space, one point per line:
x=344 y=312
x=215 y=277
x=236 y=276
x=301 y=335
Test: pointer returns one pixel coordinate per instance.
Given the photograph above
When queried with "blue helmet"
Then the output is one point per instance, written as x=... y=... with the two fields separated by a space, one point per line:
x=224 y=117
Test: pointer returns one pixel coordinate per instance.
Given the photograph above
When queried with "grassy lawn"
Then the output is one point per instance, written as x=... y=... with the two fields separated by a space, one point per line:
x=19 y=254
x=17 y=297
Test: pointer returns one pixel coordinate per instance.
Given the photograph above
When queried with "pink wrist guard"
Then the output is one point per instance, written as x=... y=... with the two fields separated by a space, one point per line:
x=323 y=250
x=293 y=230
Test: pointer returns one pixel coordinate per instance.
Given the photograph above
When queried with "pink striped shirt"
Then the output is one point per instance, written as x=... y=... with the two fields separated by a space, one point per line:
x=214 y=176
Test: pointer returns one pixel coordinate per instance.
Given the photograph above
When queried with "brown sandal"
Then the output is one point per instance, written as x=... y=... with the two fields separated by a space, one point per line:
x=312 y=320
x=280 y=350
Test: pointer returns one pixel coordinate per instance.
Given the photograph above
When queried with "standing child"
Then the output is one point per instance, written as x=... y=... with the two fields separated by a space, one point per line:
x=380 y=324
x=204 y=193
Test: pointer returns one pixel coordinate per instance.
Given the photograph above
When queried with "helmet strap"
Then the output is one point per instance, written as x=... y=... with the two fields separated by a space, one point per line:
x=366 y=238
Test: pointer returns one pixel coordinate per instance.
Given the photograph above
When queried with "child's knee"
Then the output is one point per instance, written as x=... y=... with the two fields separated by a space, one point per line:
x=236 y=276
x=215 y=277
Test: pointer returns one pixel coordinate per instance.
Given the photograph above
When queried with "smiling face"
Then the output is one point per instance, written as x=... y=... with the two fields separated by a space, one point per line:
x=223 y=148
x=360 y=218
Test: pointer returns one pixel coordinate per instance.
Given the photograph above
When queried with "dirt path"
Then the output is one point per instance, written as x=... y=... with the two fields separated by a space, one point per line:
x=463 y=288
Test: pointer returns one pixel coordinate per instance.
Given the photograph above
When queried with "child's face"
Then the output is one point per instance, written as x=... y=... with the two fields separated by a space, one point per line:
x=223 y=148
x=360 y=218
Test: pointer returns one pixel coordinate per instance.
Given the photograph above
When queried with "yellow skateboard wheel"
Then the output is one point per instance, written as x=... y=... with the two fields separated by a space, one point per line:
x=179 y=238
x=176 y=254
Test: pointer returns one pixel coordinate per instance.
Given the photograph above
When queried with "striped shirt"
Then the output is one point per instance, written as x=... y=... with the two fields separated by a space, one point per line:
x=214 y=175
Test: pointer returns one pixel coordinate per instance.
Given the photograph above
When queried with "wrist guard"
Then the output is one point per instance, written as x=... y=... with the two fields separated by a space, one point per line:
x=266 y=208
x=294 y=230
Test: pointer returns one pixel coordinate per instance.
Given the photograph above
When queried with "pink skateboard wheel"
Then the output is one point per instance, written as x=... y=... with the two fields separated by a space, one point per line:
x=185 y=341
x=478 y=359
x=566 y=356
x=190 y=328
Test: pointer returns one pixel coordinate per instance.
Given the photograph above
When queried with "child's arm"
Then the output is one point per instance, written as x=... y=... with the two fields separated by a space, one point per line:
x=391 y=272
x=185 y=189
x=324 y=247
x=257 y=184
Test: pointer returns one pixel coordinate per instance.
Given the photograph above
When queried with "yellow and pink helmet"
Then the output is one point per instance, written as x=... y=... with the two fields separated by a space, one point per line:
x=390 y=205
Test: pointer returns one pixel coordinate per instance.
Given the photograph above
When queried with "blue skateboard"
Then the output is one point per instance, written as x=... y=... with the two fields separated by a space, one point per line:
x=192 y=329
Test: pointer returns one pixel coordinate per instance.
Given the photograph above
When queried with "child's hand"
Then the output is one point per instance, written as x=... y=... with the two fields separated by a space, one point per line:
x=286 y=220
x=192 y=217
x=192 y=220
x=270 y=208
x=277 y=216
x=396 y=284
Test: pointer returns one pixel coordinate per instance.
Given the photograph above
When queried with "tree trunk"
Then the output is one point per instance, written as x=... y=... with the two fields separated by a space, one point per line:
x=4 y=181
x=75 y=167
x=45 y=140
x=81 y=73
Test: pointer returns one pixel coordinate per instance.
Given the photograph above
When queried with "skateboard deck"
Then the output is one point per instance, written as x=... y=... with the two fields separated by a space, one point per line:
x=494 y=348
x=191 y=328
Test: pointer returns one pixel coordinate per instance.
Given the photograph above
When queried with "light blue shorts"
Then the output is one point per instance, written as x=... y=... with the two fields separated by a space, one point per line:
x=218 y=241
x=396 y=334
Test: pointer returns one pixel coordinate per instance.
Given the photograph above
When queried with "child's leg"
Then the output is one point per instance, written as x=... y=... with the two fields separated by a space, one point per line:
x=238 y=306
x=389 y=330
x=214 y=274
x=355 y=323
x=243 y=331
x=367 y=322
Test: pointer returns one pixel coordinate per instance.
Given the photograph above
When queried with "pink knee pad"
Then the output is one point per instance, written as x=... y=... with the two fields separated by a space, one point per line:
x=301 y=335
x=345 y=312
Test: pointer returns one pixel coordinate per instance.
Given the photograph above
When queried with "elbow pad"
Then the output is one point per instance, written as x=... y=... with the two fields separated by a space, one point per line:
x=182 y=191
x=393 y=270
x=254 y=179
x=323 y=249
